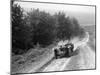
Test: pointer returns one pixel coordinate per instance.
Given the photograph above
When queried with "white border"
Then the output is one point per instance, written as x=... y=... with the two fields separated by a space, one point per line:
x=5 y=37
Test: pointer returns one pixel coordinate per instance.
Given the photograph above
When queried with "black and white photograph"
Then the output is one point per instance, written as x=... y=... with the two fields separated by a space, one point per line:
x=52 y=37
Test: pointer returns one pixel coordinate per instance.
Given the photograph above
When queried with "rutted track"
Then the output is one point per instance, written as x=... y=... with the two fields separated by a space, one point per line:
x=84 y=60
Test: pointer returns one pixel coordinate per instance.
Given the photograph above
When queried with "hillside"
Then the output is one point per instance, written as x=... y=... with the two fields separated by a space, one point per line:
x=92 y=33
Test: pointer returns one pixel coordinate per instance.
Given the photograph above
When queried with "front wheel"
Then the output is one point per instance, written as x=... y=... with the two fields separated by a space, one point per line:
x=56 y=55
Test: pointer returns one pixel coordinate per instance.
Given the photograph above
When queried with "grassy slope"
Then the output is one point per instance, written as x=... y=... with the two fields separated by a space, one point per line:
x=32 y=60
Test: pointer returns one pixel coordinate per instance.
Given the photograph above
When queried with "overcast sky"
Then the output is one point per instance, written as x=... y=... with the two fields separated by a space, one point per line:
x=84 y=14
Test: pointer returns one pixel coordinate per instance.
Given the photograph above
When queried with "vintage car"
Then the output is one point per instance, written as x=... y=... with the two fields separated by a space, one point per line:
x=64 y=51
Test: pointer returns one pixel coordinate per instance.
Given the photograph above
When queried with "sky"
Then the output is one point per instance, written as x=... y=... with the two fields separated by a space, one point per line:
x=84 y=14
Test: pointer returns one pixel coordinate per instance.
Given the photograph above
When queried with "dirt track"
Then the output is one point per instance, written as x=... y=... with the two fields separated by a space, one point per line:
x=83 y=58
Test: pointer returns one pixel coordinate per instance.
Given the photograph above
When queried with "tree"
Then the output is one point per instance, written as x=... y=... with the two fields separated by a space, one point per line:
x=67 y=27
x=77 y=30
x=64 y=26
x=21 y=37
x=43 y=25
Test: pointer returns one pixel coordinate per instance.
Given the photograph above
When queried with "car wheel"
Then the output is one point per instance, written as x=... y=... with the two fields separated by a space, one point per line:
x=56 y=57
x=55 y=52
x=69 y=52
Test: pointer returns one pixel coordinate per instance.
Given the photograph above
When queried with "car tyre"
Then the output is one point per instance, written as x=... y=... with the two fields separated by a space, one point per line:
x=55 y=52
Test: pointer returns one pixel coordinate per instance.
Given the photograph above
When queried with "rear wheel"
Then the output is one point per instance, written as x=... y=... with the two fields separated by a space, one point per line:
x=69 y=52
